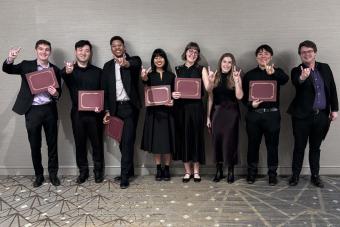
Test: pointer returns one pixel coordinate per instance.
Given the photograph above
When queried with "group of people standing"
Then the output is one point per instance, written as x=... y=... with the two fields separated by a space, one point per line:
x=175 y=131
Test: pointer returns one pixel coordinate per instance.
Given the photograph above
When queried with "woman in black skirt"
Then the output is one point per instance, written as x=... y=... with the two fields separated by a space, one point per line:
x=189 y=115
x=224 y=114
x=159 y=129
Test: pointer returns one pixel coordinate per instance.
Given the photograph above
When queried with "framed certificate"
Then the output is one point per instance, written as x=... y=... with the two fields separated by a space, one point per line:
x=264 y=90
x=190 y=88
x=90 y=100
x=157 y=95
x=39 y=81
x=115 y=128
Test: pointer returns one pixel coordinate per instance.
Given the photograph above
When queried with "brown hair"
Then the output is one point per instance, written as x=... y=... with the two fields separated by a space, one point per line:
x=230 y=80
x=191 y=45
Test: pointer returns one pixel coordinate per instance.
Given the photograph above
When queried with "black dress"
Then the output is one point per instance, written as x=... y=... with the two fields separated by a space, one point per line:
x=189 y=121
x=225 y=123
x=159 y=127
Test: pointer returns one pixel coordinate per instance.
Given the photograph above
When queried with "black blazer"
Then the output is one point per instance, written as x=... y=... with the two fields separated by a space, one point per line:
x=24 y=98
x=302 y=105
x=130 y=79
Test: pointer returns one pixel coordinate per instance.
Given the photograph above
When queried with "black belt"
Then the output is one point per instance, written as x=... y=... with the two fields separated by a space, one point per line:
x=123 y=102
x=317 y=111
x=266 y=110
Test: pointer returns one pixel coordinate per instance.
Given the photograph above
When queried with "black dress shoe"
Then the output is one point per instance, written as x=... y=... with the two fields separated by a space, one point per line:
x=250 y=179
x=272 y=180
x=82 y=178
x=54 y=180
x=186 y=178
x=294 y=180
x=316 y=181
x=98 y=177
x=39 y=180
x=197 y=177
x=124 y=183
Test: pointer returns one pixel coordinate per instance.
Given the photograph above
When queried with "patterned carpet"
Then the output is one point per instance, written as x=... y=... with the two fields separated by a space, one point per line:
x=150 y=203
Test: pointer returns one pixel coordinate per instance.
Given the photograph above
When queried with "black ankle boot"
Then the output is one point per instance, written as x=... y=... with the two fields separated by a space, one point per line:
x=219 y=172
x=166 y=173
x=159 y=173
x=230 y=178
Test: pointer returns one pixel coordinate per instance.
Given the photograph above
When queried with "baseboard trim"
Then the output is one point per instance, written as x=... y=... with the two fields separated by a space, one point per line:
x=177 y=170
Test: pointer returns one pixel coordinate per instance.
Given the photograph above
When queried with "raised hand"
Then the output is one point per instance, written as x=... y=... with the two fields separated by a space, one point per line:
x=256 y=103
x=13 y=54
x=69 y=66
x=144 y=73
x=304 y=73
x=236 y=75
x=123 y=62
x=211 y=75
x=270 y=69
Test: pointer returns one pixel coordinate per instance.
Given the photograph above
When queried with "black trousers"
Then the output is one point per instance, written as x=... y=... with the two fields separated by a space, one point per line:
x=38 y=117
x=88 y=125
x=129 y=114
x=267 y=125
x=313 y=129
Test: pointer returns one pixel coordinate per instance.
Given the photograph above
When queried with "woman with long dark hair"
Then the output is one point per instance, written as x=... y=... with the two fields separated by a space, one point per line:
x=224 y=114
x=159 y=129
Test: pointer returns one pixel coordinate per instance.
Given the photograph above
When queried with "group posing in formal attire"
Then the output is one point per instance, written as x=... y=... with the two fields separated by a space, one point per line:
x=175 y=130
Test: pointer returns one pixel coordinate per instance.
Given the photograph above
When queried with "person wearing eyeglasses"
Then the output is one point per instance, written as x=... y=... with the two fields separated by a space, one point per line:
x=313 y=108
x=189 y=115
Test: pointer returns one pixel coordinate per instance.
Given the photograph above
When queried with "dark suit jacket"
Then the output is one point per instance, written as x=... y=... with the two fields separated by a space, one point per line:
x=130 y=79
x=24 y=98
x=302 y=105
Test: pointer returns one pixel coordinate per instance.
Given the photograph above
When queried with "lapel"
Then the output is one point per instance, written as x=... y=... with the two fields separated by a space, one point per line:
x=126 y=78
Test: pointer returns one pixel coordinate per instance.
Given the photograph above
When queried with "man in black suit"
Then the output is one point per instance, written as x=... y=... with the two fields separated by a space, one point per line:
x=40 y=110
x=314 y=107
x=120 y=80
x=82 y=75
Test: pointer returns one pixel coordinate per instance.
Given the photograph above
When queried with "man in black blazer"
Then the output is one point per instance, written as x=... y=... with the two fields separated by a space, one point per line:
x=120 y=80
x=314 y=107
x=40 y=110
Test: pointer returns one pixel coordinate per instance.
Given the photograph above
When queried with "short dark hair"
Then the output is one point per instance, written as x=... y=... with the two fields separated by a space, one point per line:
x=265 y=47
x=116 y=38
x=191 y=45
x=307 y=43
x=159 y=52
x=42 y=42
x=82 y=43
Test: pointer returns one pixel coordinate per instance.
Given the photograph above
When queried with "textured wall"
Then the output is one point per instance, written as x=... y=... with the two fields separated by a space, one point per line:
x=218 y=26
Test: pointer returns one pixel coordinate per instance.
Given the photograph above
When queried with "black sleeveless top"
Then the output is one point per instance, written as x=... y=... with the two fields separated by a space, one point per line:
x=222 y=93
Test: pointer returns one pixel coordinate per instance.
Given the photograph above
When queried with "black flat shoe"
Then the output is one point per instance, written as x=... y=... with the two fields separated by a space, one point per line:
x=124 y=183
x=39 y=180
x=166 y=173
x=230 y=178
x=186 y=178
x=219 y=172
x=159 y=173
x=197 y=177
